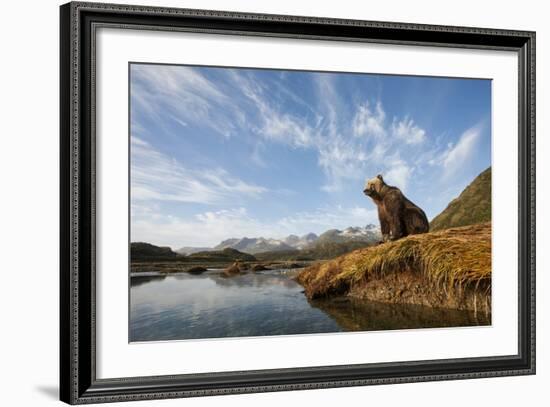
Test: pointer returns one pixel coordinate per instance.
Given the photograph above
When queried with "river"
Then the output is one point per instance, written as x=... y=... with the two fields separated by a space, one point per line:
x=210 y=305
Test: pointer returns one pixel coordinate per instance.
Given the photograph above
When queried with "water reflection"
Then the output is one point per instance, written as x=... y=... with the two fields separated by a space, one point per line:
x=137 y=281
x=211 y=305
x=357 y=315
x=259 y=279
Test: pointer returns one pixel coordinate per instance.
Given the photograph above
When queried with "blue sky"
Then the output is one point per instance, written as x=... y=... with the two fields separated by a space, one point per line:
x=231 y=152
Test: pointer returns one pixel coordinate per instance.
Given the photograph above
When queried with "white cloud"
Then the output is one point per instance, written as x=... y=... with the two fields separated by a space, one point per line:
x=407 y=131
x=329 y=102
x=369 y=122
x=456 y=156
x=286 y=129
x=177 y=80
x=336 y=217
x=156 y=176
x=345 y=158
x=180 y=122
x=206 y=229
x=211 y=227
x=398 y=173
x=325 y=128
x=340 y=161
x=185 y=94
x=274 y=125
x=257 y=157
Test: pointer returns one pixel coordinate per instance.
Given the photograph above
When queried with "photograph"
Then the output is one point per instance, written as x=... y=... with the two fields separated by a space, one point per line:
x=257 y=201
x=268 y=202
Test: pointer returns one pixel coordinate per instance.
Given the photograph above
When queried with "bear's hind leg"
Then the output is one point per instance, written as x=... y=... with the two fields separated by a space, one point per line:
x=396 y=230
x=385 y=230
x=394 y=210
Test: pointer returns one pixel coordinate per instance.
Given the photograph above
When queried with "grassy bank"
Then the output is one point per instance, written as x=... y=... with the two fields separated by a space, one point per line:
x=449 y=268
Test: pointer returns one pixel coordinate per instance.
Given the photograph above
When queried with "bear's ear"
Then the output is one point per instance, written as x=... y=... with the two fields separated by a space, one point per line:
x=379 y=176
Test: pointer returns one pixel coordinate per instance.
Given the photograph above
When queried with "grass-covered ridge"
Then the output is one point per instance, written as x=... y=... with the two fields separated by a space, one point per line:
x=147 y=251
x=321 y=250
x=472 y=206
x=221 y=255
x=441 y=262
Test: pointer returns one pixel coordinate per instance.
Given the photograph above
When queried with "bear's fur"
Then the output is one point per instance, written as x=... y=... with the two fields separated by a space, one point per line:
x=398 y=216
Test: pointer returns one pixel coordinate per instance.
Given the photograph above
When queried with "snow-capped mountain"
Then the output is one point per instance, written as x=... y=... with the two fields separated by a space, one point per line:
x=301 y=242
x=369 y=233
x=254 y=245
x=190 y=250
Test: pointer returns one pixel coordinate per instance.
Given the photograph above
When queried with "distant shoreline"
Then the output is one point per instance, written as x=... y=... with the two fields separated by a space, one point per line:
x=173 y=266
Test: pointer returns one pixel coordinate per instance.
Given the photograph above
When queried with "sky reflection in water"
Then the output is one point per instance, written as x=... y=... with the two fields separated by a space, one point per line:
x=257 y=304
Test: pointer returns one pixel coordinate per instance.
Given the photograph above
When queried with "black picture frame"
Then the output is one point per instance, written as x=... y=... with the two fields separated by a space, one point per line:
x=78 y=381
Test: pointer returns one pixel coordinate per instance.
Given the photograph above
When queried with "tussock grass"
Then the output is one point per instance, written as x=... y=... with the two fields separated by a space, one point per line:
x=456 y=257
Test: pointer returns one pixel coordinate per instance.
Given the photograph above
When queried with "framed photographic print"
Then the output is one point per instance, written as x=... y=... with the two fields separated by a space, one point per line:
x=256 y=203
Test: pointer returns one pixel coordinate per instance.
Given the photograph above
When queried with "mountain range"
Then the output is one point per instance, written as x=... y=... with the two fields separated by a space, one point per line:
x=367 y=234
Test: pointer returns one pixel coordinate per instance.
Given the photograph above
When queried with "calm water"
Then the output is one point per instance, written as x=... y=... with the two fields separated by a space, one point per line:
x=211 y=305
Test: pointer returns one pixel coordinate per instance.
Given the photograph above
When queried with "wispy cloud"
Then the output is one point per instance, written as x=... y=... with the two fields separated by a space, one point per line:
x=375 y=141
x=398 y=173
x=285 y=128
x=271 y=123
x=184 y=93
x=406 y=130
x=459 y=154
x=333 y=217
x=369 y=122
x=243 y=104
x=156 y=176
x=204 y=229
x=340 y=161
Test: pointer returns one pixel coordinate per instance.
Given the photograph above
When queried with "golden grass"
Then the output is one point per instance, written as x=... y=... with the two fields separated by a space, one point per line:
x=456 y=257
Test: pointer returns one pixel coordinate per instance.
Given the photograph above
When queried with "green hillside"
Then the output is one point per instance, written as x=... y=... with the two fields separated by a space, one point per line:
x=471 y=207
x=147 y=251
x=321 y=250
x=140 y=251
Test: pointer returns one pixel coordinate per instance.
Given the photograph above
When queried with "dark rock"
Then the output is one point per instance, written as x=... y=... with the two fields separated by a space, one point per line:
x=196 y=270
x=293 y=266
x=232 y=270
x=259 y=267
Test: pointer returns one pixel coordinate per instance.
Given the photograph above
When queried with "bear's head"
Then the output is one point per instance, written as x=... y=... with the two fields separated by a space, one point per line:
x=374 y=186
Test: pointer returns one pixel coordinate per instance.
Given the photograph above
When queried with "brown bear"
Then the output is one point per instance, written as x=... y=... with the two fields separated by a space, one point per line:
x=398 y=216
